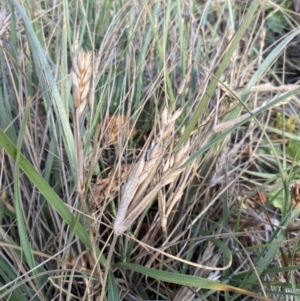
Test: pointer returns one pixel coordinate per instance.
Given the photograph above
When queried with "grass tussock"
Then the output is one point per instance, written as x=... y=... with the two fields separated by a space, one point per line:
x=149 y=150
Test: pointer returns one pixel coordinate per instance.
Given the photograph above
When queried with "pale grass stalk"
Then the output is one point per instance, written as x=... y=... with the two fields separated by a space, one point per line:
x=259 y=88
x=162 y=212
x=81 y=78
x=177 y=258
x=190 y=54
x=173 y=199
x=94 y=154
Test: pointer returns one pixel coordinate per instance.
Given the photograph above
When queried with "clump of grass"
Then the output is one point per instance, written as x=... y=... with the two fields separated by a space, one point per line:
x=139 y=147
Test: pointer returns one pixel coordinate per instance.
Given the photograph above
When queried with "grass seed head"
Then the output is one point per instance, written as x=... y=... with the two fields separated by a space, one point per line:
x=117 y=125
x=108 y=187
x=81 y=77
x=144 y=175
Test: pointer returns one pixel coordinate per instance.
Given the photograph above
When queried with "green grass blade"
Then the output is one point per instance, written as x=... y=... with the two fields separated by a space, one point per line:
x=7 y=274
x=17 y=197
x=113 y=293
x=263 y=262
x=191 y=281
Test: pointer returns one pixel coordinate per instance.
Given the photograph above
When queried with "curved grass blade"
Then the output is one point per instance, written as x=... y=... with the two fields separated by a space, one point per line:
x=191 y=281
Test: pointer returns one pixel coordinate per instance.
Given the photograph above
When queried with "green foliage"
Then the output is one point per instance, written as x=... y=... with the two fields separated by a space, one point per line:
x=293 y=149
x=289 y=124
x=286 y=125
x=276 y=23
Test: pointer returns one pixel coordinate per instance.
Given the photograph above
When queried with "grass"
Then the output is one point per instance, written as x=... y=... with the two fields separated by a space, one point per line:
x=148 y=150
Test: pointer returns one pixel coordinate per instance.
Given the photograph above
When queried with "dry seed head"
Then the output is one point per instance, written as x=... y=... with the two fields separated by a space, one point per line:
x=154 y=152
x=166 y=131
x=108 y=187
x=135 y=197
x=150 y=150
x=165 y=116
x=295 y=194
x=167 y=164
x=176 y=115
x=168 y=124
x=81 y=77
x=129 y=191
x=116 y=124
x=182 y=153
x=171 y=168
x=170 y=176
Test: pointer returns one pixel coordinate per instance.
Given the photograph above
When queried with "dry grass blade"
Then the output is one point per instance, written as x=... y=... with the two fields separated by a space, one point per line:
x=128 y=193
x=176 y=189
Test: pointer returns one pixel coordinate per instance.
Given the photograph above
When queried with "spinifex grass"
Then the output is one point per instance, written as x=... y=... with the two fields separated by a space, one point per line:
x=154 y=121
